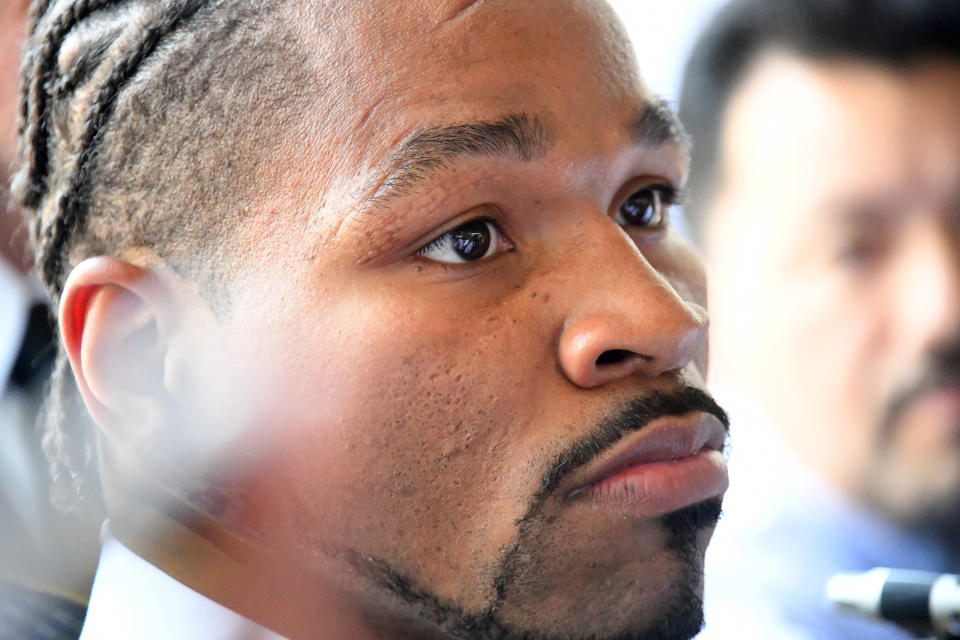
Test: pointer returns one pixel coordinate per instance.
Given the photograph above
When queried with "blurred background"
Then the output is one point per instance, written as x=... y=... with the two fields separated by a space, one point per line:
x=663 y=34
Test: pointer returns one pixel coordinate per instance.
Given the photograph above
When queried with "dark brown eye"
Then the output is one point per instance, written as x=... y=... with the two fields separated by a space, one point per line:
x=645 y=208
x=470 y=242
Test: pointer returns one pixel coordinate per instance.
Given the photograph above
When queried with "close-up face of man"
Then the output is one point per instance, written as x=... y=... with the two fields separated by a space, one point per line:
x=455 y=374
x=834 y=234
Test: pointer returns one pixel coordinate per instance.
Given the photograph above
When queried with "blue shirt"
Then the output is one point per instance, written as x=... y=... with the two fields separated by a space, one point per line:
x=783 y=534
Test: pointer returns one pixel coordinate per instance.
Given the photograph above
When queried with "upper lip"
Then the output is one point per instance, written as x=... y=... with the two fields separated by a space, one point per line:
x=667 y=438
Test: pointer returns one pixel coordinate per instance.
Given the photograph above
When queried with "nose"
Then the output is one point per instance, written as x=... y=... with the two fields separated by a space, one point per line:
x=631 y=322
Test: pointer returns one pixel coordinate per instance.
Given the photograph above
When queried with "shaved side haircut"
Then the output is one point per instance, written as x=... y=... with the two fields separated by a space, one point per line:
x=146 y=125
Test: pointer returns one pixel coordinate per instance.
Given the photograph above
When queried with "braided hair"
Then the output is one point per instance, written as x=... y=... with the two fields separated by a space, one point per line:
x=141 y=124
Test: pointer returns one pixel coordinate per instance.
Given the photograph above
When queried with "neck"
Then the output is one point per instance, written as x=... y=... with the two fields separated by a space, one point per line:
x=272 y=589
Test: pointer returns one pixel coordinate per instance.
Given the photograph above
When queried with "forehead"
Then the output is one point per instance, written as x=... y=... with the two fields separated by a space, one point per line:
x=397 y=45
x=397 y=66
x=841 y=128
x=384 y=71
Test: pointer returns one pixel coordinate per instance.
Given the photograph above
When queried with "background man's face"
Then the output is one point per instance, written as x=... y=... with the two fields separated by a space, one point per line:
x=411 y=403
x=835 y=275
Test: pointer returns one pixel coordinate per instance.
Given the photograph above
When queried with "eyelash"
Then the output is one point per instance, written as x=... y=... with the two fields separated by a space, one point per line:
x=437 y=243
x=667 y=197
x=672 y=196
x=499 y=242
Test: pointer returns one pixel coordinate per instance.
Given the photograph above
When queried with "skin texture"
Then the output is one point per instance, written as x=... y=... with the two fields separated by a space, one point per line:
x=362 y=414
x=834 y=253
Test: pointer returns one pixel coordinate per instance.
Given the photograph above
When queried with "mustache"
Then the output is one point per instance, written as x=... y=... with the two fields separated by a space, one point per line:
x=941 y=369
x=635 y=415
x=681 y=526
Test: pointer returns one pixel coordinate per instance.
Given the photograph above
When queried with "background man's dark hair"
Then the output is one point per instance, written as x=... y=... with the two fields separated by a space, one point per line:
x=143 y=124
x=886 y=32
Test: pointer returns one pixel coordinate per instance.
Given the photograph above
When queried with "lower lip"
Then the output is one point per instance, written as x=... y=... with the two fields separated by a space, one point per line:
x=656 y=488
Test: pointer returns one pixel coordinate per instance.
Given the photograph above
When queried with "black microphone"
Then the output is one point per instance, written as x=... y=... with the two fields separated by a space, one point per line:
x=927 y=604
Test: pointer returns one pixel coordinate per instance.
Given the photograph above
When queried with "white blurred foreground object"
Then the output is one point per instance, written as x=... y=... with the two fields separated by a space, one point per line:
x=924 y=603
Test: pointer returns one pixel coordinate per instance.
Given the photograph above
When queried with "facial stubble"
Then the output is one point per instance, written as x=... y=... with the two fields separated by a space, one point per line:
x=522 y=579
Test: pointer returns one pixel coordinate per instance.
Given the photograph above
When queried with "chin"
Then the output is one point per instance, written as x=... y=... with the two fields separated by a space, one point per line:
x=573 y=576
x=623 y=608
x=639 y=580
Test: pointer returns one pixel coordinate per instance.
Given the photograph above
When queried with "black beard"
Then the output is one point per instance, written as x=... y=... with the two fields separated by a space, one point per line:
x=680 y=617
x=679 y=614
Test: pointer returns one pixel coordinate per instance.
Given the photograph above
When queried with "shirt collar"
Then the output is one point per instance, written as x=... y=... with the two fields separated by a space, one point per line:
x=132 y=598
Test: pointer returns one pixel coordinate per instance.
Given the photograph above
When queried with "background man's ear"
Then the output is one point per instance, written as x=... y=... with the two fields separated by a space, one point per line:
x=112 y=319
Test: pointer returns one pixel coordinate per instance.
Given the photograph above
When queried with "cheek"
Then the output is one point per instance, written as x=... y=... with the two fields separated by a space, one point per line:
x=402 y=440
x=839 y=333
x=679 y=264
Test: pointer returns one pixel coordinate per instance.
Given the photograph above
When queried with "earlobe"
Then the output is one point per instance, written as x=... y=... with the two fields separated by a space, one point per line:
x=111 y=323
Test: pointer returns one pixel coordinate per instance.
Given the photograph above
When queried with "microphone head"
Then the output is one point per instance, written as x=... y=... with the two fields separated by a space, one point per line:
x=921 y=602
x=857 y=592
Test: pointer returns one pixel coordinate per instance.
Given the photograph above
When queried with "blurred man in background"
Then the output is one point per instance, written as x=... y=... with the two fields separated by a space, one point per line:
x=47 y=558
x=825 y=188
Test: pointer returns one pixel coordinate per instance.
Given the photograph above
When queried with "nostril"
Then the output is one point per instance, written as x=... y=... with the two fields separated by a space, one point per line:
x=613 y=356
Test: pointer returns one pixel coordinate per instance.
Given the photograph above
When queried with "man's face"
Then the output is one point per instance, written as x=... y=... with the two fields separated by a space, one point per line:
x=836 y=290
x=455 y=315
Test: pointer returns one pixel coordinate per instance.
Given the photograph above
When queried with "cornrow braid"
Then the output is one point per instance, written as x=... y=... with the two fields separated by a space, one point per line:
x=37 y=9
x=86 y=64
x=73 y=203
x=144 y=123
x=68 y=449
x=46 y=59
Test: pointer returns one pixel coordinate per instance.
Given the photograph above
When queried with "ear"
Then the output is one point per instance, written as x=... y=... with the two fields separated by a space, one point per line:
x=113 y=327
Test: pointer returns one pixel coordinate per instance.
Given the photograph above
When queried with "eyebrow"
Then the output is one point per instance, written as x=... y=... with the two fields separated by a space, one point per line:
x=657 y=124
x=428 y=150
